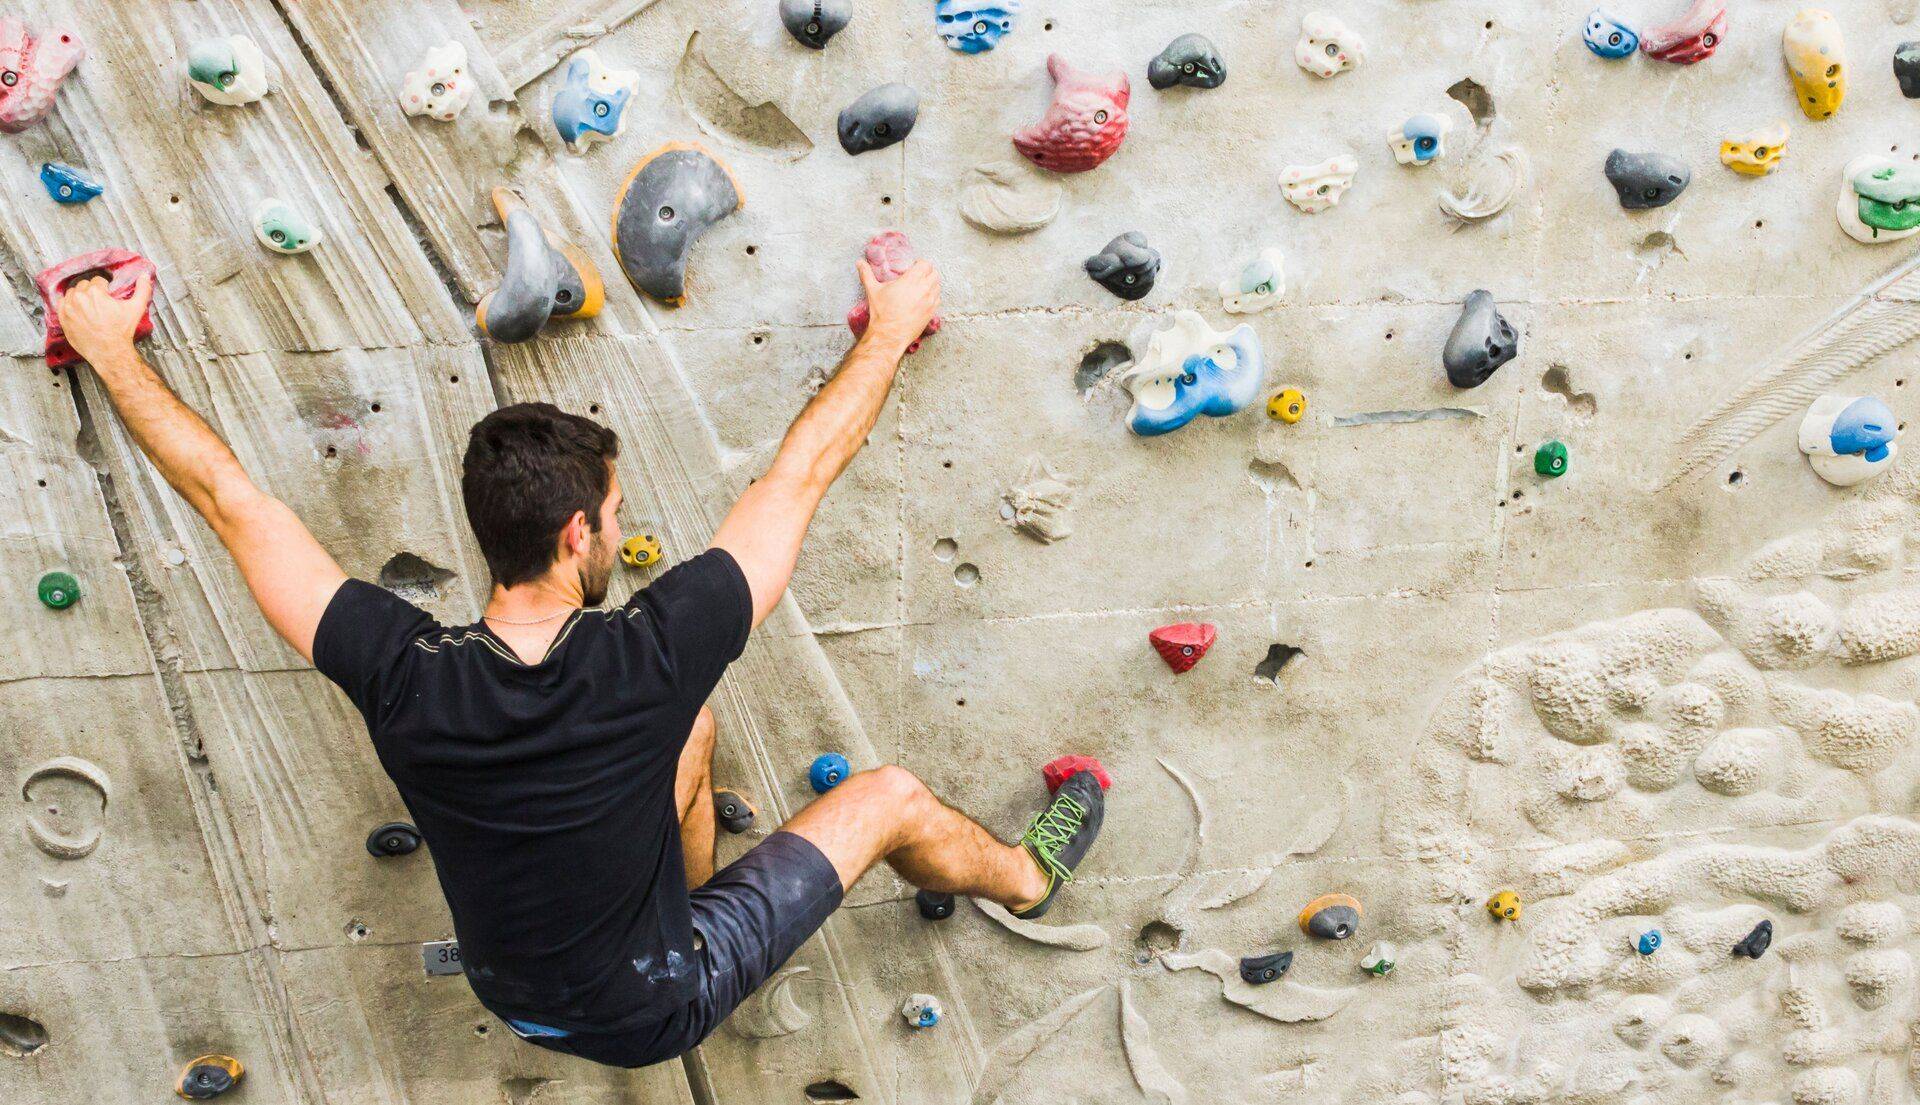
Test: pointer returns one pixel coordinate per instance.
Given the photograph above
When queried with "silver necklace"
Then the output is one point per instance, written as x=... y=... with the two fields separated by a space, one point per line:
x=530 y=621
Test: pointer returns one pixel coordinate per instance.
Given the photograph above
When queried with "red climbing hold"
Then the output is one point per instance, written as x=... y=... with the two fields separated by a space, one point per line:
x=889 y=255
x=121 y=267
x=1182 y=645
x=1066 y=767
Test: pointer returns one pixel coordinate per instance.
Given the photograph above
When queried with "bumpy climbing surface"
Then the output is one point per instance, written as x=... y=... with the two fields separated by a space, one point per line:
x=642 y=550
x=1879 y=199
x=889 y=254
x=1258 y=970
x=1755 y=153
x=208 y=1077
x=829 y=770
x=59 y=590
x=1609 y=37
x=974 y=26
x=1327 y=47
x=1010 y=198
x=813 y=23
x=591 y=105
x=31 y=69
x=442 y=87
x=1085 y=123
x=673 y=196
x=395 y=838
x=121 y=268
x=1692 y=37
x=546 y=277
x=1817 y=61
x=230 y=71
x=1191 y=60
x=67 y=184
x=1848 y=439
x=1331 y=917
x=1127 y=266
x=1482 y=340
x=1189 y=369
x=1646 y=180
x=1183 y=644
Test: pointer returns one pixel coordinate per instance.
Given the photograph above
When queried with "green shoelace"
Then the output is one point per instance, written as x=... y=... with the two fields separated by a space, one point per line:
x=1050 y=831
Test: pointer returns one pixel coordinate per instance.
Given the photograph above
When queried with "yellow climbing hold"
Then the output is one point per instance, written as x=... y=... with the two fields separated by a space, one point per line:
x=1755 y=152
x=1505 y=906
x=1817 y=62
x=1287 y=405
x=208 y=1077
x=641 y=551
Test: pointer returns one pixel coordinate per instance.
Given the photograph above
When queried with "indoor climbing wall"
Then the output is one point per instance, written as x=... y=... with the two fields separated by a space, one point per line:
x=1441 y=456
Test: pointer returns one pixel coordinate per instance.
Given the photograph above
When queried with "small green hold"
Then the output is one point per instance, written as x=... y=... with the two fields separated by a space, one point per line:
x=1550 y=460
x=59 y=590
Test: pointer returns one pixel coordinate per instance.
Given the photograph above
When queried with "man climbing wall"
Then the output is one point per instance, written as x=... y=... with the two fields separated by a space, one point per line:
x=558 y=758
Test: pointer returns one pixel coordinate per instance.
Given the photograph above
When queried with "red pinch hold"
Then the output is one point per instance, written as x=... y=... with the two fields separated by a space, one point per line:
x=1692 y=37
x=889 y=254
x=1183 y=644
x=122 y=268
x=1062 y=768
x=1083 y=126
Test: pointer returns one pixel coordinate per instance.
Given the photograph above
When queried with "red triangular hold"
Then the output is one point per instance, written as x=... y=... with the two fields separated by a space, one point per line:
x=1062 y=768
x=1182 y=645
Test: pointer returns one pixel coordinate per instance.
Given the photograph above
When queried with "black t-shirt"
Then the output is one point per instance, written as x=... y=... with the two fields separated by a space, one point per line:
x=546 y=791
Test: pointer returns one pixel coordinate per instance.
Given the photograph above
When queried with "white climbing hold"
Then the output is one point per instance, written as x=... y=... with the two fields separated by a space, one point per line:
x=441 y=88
x=1010 y=198
x=1040 y=505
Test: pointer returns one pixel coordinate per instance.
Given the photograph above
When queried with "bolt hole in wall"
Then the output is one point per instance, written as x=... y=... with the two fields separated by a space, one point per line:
x=1736 y=477
x=945 y=549
x=966 y=575
x=830 y=1090
x=21 y=1036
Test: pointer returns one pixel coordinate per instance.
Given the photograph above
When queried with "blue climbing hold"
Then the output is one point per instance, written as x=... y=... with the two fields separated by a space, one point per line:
x=974 y=26
x=592 y=106
x=1608 y=37
x=1648 y=943
x=67 y=184
x=829 y=771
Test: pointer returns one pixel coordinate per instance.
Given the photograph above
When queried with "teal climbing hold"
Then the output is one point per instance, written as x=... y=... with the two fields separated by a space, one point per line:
x=59 y=590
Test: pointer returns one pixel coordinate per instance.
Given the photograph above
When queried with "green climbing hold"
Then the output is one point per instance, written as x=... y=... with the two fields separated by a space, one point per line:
x=1550 y=460
x=59 y=590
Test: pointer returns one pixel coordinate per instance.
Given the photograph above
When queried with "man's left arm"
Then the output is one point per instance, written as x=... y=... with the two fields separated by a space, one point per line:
x=291 y=576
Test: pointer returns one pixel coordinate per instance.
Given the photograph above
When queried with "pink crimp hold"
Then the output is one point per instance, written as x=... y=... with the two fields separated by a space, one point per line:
x=31 y=69
x=890 y=255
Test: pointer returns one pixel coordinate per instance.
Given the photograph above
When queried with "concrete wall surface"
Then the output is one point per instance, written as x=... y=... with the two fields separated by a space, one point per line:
x=1673 y=688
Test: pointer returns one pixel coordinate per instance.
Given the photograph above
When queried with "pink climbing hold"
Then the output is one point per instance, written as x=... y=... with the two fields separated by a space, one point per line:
x=31 y=69
x=1086 y=122
x=122 y=268
x=1062 y=768
x=1183 y=644
x=1692 y=37
x=889 y=255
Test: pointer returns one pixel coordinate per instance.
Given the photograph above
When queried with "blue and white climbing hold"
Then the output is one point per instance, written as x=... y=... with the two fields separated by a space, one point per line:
x=1648 y=942
x=67 y=184
x=974 y=26
x=1608 y=37
x=1421 y=140
x=1849 y=438
x=921 y=1011
x=828 y=771
x=592 y=106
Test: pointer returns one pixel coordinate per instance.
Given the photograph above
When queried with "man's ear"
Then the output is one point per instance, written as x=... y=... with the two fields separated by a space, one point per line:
x=576 y=537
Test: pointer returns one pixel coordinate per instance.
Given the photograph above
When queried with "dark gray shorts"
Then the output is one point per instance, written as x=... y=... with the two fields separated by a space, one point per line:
x=750 y=918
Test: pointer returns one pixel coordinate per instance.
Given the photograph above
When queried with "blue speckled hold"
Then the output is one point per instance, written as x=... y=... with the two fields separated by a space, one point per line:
x=974 y=26
x=67 y=184
x=829 y=771
x=1608 y=37
x=1648 y=943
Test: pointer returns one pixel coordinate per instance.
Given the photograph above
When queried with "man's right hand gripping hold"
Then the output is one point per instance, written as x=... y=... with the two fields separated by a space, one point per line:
x=557 y=758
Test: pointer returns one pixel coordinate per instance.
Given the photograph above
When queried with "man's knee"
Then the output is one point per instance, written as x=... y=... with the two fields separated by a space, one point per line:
x=892 y=784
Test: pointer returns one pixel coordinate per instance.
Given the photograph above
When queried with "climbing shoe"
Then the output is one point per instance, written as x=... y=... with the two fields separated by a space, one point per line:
x=1059 y=836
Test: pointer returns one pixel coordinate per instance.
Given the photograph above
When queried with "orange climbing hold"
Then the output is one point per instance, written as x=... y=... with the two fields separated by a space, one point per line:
x=1182 y=645
x=208 y=1076
x=122 y=268
x=1066 y=767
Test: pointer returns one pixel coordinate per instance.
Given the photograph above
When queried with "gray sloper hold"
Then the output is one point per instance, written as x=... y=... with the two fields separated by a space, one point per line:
x=1192 y=60
x=1482 y=341
x=1127 y=267
x=1906 y=69
x=813 y=22
x=879 y=118
x=1646 y=180
x=669 y=200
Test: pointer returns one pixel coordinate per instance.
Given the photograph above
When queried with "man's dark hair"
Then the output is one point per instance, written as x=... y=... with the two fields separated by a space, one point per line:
x=528 y=468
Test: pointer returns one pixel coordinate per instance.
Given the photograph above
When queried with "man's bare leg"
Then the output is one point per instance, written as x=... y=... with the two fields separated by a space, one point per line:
x=693 y=796
x=889 y=814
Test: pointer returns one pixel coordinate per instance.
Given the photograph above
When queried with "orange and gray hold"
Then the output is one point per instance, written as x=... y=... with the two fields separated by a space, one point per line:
x=545 y=278
x=672 y=197
x=1331 y=917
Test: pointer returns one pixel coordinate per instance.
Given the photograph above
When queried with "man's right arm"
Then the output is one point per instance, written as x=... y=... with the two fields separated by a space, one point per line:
x=764 y=530
x=291 y=576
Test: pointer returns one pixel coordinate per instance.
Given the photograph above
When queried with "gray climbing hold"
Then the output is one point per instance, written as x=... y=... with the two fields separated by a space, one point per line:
x=1646 y=180
x=813 y=22
x=1906 y=69
x=1127 y=266
x=545 y=278
x=1192 y=60
x=879 y=118
x=669 y=200
x=1482 y=341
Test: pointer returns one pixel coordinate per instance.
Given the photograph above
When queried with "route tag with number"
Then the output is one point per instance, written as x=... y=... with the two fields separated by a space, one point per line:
x=441 y=957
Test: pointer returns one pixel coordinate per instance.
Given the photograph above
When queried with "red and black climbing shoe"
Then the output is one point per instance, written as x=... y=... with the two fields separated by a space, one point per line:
x=734 y=813
x=934 y=906
x=1059 y=836
x=1062 y=768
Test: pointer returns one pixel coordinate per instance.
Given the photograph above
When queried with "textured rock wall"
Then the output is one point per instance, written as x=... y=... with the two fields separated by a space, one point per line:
x=1672 y=689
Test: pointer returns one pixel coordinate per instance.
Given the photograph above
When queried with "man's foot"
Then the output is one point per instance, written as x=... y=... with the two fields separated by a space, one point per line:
x=1059 y=836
